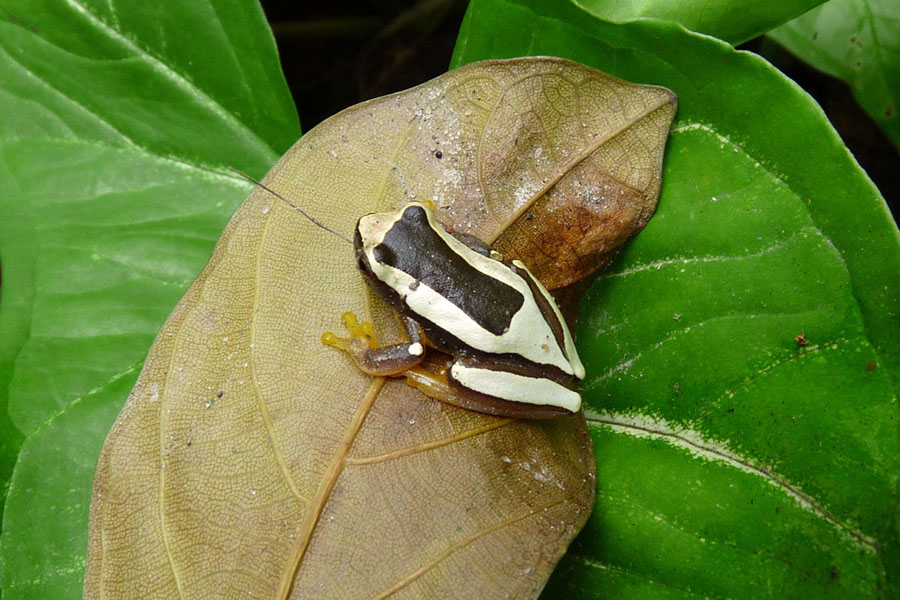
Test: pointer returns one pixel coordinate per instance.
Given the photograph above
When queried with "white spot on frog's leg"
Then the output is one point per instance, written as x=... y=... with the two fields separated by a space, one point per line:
x=416 y=349
x=516 y=388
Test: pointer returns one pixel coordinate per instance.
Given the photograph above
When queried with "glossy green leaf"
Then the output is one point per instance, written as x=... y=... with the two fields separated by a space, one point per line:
x=732 y=461
x=734 y=21
x=857 y=41
x=114 y=194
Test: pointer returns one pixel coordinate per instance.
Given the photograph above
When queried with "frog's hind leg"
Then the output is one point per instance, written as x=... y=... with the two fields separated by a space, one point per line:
x=370 y=356
x=434 y=379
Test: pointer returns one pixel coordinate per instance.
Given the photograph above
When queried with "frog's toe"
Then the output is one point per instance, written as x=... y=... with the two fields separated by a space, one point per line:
x=359 y=332
x=362 y=335
x=330 y=339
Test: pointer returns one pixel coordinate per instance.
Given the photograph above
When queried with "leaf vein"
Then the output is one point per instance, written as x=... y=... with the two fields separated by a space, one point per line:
x=179 y=162
x=277 y=451
x=595 y=564
x=326 y=485
x=771 y=366
x=414 y=449
x=160 y=496
x=628 y=362
x=568 y=167
x=103 y=122
x=697 y=445
x=462 y=543
x=178 y=79
x=76 y=401
x=657 y=265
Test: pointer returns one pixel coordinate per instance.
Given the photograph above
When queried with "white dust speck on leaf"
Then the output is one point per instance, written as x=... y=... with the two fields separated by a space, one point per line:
x=524 y=193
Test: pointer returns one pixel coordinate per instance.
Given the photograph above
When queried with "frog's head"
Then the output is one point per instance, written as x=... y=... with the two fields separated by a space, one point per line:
x=371 y=230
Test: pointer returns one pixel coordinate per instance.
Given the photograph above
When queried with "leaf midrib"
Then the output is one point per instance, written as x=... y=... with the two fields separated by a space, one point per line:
x=326 y=485
x=569 y=166
x=176 y=78
x=678 y=438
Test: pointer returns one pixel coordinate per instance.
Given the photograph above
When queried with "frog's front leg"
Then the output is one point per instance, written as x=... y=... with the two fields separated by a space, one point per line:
x=363 y=347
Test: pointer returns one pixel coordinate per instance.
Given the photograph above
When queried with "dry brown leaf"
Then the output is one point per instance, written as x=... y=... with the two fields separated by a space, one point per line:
x=252 y=461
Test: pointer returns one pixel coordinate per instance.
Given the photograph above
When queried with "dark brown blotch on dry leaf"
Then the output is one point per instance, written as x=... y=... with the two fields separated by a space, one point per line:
x=252 y=461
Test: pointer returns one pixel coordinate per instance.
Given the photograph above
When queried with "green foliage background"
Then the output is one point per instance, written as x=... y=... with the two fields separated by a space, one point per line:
x=732 y=462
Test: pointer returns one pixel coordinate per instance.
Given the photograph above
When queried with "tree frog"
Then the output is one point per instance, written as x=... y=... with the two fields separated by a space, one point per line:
x=510 y=351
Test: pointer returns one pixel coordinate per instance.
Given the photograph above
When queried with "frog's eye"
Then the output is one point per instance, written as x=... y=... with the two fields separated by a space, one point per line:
x=363 y=265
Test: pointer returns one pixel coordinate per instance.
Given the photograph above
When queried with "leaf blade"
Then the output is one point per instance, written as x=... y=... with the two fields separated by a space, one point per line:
x=75 y=321
x=734 y=22
x=736 y=183
x=371 y=461
x=855 y=41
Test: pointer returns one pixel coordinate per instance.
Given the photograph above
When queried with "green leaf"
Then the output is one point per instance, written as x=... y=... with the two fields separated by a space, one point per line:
x=857 y=41
x=732 y=461
x=122 y=119
x=734 y=21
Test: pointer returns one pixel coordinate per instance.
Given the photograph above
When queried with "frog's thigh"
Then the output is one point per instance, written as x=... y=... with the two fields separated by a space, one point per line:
x=436 y=384
x=515 y=387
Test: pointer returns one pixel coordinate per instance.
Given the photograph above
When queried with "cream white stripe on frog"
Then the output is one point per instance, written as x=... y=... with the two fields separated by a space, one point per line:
x=517 y=388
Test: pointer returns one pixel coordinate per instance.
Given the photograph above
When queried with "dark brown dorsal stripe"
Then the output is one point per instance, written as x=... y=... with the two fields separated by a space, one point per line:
x=413 y=247
x=558 y=329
